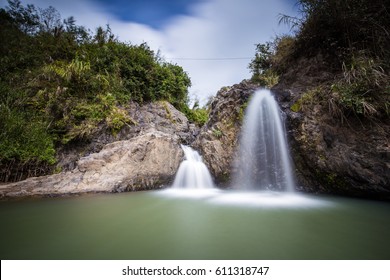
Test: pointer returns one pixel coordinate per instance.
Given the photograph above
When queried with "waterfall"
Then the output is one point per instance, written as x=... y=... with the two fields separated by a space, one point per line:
x=192 y=172
x=264 y=161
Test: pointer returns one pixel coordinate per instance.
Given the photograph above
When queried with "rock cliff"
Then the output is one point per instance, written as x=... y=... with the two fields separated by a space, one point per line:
x=157 y=116
x=218 y=138
x=330 y=156
x=142 y=156
x=349 y=157
x=346 y=156
x=144 y=162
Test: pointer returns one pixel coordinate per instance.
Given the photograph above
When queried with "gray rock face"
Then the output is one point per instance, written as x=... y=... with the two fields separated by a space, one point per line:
x=144 y=162
x=341 y=158
x=143 y=155
x=158 y=116
x=218 y=138
x=348 y=158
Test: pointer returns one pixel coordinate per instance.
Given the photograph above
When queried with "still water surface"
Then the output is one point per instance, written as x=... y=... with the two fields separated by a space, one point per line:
x=203 y=225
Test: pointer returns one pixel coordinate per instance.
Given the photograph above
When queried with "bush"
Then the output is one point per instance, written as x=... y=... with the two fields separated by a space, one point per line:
x=338 y=29
x=364 y=88
x=352 y=39
x=198 y=116
x=24 y=138
x=283 y=51
x=271 y=59
x=58 y=83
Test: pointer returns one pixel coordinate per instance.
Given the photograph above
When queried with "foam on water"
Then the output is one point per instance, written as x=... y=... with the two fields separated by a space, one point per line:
x=247 y=199
x=264 y=199
x=191 y=193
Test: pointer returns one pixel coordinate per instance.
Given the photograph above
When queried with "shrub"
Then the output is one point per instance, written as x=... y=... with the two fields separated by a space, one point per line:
x=271 y=59
x=58 y=82
x=282 y=56
x=364 y=88
x=338 y=29
x=24 y=137
x=198 y=116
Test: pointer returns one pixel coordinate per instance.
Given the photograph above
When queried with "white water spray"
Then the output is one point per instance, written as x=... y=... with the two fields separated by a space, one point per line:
x=263 y=161
x=192 y=172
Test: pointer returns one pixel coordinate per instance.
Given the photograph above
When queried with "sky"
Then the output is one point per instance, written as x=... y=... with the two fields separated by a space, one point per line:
x=213 y=40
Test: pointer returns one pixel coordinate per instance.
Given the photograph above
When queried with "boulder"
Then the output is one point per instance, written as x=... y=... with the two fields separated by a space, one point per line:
x=156 y=116
x=147 y=161
x=218 y=138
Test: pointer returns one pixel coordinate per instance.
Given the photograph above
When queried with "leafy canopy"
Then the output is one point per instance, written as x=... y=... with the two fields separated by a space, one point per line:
x=59 y=81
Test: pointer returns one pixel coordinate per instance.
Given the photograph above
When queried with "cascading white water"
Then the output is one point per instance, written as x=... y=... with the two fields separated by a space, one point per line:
x=192 y=172
x=263 y=161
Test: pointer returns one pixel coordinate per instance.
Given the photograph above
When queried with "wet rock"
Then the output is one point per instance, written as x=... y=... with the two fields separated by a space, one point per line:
x=218 y=138
x=347 y=158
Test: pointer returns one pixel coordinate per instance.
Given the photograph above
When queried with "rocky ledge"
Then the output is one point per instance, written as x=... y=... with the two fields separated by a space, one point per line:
x=144 y=155
x=144 y=162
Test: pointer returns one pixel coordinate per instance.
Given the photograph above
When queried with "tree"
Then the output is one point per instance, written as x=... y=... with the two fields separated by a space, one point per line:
x=50 y=21
x=58 y=83
x=26 y=18
x=262 y=60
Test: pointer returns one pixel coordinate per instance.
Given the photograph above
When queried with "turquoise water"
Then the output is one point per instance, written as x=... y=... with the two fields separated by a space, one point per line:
x=202 y=225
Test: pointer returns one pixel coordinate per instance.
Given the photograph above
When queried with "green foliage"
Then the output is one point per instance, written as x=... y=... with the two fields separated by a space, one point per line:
x=90 y=89
x=271 y=59
x=24 y=138
x=59 y=83
x=198 y=116
x=308 y=99
x=262 y=60
x=267 y=79
x=217 y=133
x=363 y=90
x=295 y=107
x=283 y=51
x=352 y=39
x=261 y=64
x=241 y=111
x=338 y=29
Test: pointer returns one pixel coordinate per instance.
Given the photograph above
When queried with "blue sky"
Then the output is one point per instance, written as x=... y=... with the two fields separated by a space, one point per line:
x=198 y=29
x=154 y=13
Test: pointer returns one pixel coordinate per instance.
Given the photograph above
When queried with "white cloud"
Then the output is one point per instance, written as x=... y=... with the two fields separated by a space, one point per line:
x=221 y=28
x=214 y=29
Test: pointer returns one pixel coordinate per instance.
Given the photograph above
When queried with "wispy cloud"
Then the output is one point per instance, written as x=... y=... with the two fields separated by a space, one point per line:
x=214 y=29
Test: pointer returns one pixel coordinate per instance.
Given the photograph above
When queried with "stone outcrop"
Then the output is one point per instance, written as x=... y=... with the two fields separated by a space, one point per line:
x=218 y=138
x=347 y=156
x=142 y=155
x=147 y=161
x=157 y=116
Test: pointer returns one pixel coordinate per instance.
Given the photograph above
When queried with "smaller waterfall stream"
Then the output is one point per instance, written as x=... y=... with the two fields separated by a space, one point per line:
x=263 y=161
x=192 y=172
